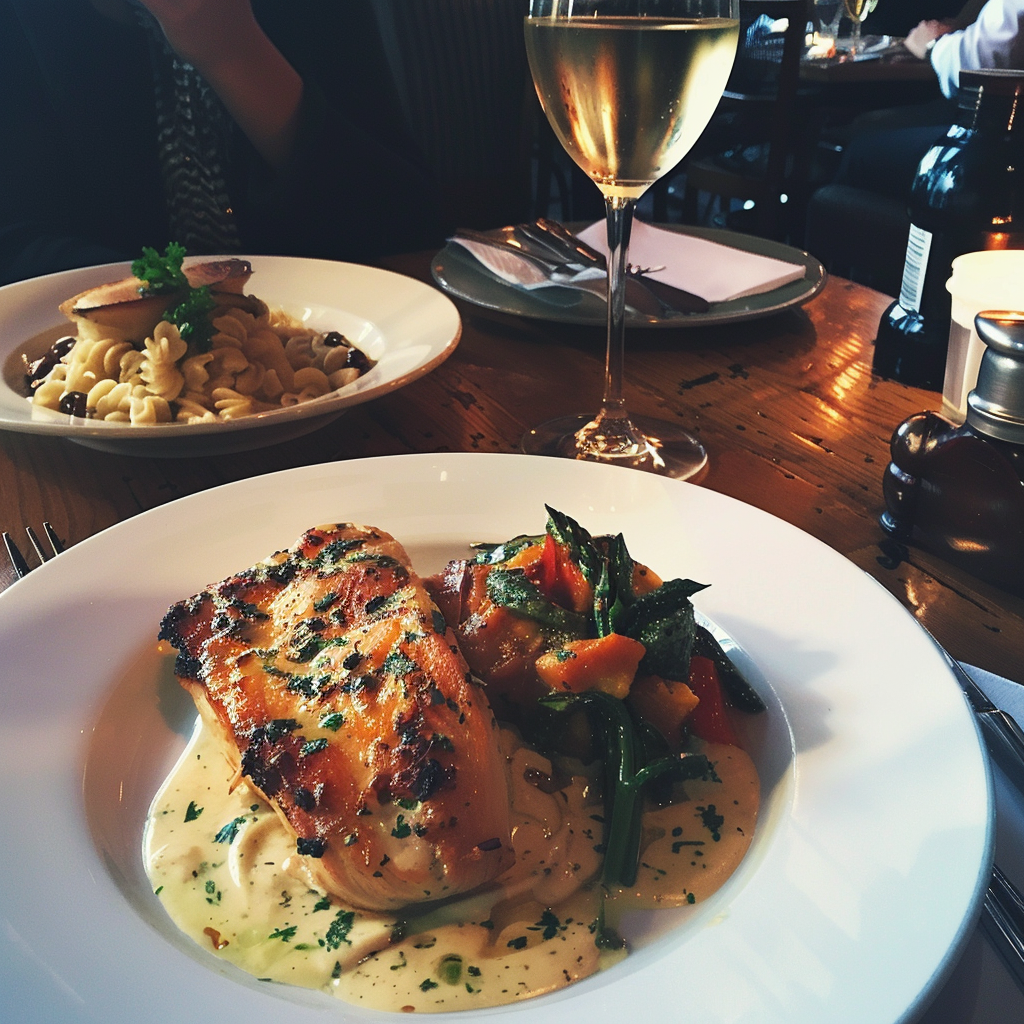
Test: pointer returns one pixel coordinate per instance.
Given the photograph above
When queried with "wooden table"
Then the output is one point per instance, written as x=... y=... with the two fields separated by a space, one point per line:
x=894 y=67
x=787 y=407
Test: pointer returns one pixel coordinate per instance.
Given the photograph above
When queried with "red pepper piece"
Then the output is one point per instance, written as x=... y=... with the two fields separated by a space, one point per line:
x=560 y=579
x=709 y=720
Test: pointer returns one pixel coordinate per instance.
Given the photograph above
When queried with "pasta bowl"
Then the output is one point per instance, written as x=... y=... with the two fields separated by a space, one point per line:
x=405 y=327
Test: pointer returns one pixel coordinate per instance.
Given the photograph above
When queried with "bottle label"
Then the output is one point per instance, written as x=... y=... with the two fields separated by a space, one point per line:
x=919 y=245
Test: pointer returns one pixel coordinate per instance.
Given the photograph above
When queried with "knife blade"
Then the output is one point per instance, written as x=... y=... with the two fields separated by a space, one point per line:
x=1002 y=921
x=677 y=298
x=1003 y=736
x=639 y=296
x=1002 y=917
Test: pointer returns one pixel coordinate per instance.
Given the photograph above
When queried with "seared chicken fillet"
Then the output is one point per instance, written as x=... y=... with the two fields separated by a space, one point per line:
x=341 y=695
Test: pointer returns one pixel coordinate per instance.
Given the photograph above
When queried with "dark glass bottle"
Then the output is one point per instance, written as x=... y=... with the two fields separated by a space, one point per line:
x=967 y=196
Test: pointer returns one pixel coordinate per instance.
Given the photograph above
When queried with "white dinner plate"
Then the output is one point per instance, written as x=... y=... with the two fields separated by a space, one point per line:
x=404 y=325
x=860 y=886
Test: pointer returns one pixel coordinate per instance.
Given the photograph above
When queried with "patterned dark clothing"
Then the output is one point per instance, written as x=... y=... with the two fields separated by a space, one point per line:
x=84 y=178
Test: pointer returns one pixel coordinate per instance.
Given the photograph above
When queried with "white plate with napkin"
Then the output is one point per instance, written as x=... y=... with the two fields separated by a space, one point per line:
x=743 y=277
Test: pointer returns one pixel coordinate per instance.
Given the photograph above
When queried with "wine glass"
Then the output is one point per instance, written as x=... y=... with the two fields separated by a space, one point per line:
x=628 y=86
x=829 y=13
x=857 y=11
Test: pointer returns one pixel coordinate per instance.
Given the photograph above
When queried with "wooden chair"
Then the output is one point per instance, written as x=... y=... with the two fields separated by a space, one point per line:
x=462 y=77
x=759 y=114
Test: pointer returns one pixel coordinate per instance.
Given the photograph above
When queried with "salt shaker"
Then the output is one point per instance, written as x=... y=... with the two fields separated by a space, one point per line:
x=958 y=491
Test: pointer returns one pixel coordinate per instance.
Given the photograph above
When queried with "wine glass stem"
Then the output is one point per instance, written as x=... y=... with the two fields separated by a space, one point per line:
x=619 y=214
x=611 y=432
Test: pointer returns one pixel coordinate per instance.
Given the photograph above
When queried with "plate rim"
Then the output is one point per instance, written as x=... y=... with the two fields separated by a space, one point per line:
x=286 y=481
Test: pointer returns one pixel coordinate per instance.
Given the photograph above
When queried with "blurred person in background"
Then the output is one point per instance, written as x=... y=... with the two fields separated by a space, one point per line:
x=248 y=126
x=858 y=224
x=992 y=40
x=886 y=146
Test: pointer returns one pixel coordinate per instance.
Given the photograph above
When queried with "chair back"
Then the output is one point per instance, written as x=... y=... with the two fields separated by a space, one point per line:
x=768 y=60
x=759 y=107
x=463 y=80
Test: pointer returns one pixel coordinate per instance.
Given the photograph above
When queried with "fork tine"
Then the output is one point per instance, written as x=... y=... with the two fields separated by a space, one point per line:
x=37 y=544
x=55 y=542
x=16 y=557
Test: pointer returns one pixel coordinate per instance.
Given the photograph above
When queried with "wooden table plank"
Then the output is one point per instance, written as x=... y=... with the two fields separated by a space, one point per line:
x=787 y=406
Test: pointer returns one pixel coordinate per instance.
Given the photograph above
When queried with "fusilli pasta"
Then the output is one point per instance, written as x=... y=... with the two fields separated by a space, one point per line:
x=254 y=363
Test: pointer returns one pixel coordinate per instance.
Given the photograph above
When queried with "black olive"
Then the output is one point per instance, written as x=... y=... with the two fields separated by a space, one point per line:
x=332 y=339
x=62 y=346
x=37 y=369
x=358 y=359
x=73 y=403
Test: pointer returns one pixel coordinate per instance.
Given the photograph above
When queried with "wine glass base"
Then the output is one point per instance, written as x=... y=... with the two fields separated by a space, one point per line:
x=676 y=453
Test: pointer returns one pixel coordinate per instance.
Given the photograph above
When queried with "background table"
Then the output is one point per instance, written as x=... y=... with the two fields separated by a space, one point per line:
x=787 y=407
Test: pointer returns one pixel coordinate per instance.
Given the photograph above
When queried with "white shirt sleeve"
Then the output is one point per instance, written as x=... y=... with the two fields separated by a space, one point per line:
x=994 y=40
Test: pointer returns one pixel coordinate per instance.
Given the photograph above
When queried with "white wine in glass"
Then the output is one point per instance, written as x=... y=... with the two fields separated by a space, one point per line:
x=628 y=86
x=857 y=11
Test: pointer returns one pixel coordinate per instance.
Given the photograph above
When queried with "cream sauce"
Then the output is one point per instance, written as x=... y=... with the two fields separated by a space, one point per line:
x=226 y=871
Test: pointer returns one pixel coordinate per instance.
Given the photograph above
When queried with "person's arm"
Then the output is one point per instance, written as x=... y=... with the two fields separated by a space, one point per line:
x=922 y=37
x=227 y=46
x=994 y=40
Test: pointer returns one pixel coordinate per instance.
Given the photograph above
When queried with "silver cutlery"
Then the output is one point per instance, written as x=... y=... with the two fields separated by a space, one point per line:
x=558 y=235
x=21 y=567
x=570 y=265
x=1003 y=736
x=1002 y=917
x=1003 y=923
x=569 y=275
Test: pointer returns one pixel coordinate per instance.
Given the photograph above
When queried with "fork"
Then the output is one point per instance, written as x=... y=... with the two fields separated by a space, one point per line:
x=21 y=567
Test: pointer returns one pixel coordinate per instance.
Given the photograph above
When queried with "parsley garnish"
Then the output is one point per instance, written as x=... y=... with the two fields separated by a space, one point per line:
x=192 y=812
x=548 y=924
x=399 y=664
x=711 y=820
x=229 y=832
x=162 y=275
x=340 y=927
x=284 y=934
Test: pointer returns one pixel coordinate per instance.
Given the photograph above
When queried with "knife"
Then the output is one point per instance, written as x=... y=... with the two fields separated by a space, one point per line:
x=639 y=296
x=1003 y=736
x=1003 y=906
x=1002 y=922
x=678 y=298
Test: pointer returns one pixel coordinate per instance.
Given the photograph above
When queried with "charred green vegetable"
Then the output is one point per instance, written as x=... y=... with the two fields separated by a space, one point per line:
x=628 y=769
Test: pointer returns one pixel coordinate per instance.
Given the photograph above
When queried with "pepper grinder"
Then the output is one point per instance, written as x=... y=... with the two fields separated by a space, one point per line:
x=958 y=491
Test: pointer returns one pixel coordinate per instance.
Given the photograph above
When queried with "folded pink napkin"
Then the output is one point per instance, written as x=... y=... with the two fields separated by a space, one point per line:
x=715 y=272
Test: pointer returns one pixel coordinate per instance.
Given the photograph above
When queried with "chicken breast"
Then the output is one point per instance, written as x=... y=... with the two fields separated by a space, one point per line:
x=340 y=694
